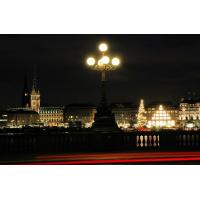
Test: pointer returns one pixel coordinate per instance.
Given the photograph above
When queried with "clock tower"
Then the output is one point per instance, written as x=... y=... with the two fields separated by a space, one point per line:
x=35 y=96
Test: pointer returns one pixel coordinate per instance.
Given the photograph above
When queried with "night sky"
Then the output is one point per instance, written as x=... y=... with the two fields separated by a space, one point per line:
x=154 y=67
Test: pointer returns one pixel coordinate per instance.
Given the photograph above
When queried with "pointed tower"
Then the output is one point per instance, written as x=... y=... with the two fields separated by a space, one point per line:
x=26 y=93
x=35 y=95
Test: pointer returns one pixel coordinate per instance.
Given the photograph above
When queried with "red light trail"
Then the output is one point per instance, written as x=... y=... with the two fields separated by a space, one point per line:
x=112 y=158
x=121 y=161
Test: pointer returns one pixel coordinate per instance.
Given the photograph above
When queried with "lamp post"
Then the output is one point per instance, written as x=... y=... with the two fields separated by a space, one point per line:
x=104 y=118
x=103 y=63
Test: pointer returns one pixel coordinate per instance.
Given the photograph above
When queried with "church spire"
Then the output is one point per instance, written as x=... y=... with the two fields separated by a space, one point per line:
x=35 y=82
x=26 y=94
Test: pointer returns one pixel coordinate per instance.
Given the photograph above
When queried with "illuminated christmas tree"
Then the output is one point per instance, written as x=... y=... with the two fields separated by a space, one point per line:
x=141 y=116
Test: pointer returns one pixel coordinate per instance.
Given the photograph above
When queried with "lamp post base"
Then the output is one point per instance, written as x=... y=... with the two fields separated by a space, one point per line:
x=104 y=120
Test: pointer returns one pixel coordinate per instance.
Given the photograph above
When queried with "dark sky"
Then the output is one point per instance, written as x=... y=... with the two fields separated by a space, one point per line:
x=154 y=67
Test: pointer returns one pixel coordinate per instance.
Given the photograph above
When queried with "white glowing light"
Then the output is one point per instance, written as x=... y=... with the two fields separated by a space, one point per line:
x=160 y=107
x=103 y=47
x=100 y=63
x=190 y=125
x=115 y=61
x=91 y=61
x=105 y=60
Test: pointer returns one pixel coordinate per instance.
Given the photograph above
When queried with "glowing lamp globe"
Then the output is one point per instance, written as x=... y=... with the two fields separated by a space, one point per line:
x=115 y=61
x=103 y=47
x=90 y=61
x=105 y=60
x=100 y=63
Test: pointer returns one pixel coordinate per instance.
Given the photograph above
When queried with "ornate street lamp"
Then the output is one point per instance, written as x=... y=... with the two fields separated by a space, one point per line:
x=104 y=119
x=103 y=63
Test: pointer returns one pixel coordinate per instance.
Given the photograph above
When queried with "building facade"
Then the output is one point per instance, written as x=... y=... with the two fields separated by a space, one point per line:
x=52 y=116
x=80 y=115
x=125 y=114
x=189 y=114
x=19 y=117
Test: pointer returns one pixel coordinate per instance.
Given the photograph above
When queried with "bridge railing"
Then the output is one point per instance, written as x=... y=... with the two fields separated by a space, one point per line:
x=88 y=141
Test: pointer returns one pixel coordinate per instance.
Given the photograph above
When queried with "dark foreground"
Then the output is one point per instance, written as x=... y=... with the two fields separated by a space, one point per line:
x=52 y=146
x=105 y=158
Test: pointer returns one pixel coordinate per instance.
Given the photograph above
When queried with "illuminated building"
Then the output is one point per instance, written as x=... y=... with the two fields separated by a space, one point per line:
x=52 y=116
x=189 y=114
x=35 y=96
x=81 y=115
x=3 y=118
x=125 y=114
x=18 y=117
x=162 y=117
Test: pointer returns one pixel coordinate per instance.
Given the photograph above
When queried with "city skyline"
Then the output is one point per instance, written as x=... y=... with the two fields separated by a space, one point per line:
x=159 y=125
x=154 y=67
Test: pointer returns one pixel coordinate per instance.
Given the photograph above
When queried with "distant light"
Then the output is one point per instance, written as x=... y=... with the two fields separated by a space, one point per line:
x=105 y=60
x=90 y=61
x=115 y=61
x=190 y=125
x=103 y=47
x=160 y=107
